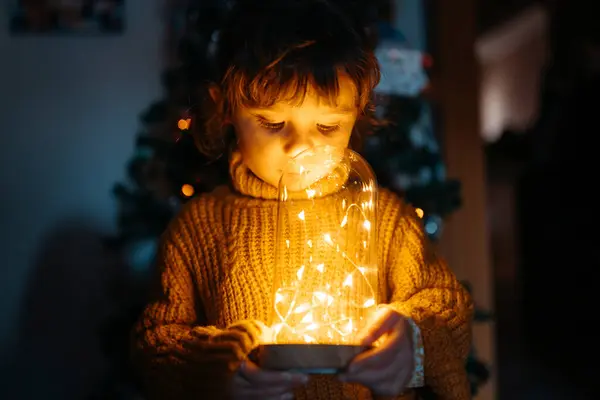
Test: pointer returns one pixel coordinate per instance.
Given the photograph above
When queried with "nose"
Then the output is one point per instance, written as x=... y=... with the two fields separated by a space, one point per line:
x=297 y=141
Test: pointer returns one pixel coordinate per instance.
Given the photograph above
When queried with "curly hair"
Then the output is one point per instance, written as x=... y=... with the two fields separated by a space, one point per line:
x=275 y=50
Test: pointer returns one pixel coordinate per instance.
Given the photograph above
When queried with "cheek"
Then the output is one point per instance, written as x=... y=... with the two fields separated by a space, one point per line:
x=255 y=144
x=244 y=131
x=259 y=143
x=250 y=134
x=343 y=136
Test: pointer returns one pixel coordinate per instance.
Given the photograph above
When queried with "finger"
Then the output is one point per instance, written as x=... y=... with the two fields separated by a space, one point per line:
x=377 y=378
x=257 y=375
x=377 y=359
x=251 y=329
x=244 y=389
x=224 y=352
x=239 y=339
x=386 y=322
x=383 y=356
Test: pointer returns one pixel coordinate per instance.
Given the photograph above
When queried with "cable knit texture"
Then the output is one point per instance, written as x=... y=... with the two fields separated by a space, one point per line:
x=216 y=265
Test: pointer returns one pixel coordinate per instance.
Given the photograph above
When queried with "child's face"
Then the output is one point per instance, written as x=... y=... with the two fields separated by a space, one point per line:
x=269 y=137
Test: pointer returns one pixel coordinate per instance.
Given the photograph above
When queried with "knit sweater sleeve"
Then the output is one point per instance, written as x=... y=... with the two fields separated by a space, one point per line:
x=176 y=355
x=423 y=288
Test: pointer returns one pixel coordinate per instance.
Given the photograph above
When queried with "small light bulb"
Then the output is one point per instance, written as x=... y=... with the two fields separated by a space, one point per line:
x=187 y=190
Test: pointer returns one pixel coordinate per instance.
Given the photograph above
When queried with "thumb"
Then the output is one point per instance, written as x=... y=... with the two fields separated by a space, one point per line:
x=252 y=330
x=385 y=320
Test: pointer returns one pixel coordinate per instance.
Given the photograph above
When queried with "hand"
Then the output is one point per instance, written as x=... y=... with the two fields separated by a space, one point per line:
x=387 y=368
x=253 y=383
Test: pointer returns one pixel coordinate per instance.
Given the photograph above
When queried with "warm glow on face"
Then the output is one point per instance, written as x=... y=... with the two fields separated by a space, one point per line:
x=269 y=136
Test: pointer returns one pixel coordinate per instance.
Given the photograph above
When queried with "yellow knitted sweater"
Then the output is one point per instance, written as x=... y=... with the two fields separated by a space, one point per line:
x=216 y=265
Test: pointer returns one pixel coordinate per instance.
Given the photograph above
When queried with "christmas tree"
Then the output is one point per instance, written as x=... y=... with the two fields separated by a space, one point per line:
x=167 y=170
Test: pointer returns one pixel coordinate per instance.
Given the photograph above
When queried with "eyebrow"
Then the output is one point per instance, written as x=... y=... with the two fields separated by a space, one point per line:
x=342 y=110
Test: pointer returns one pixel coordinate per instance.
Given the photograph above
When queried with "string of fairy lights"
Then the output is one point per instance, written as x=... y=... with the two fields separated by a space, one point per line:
x=313 y=306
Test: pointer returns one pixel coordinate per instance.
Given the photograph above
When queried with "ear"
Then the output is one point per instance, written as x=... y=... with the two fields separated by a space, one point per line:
x=217 y=97
x=215 y=93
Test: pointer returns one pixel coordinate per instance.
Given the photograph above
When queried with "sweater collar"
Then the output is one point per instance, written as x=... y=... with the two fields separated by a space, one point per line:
x=247 y=183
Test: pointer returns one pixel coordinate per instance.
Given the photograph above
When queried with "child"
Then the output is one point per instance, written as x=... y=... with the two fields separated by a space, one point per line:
x=295 y=74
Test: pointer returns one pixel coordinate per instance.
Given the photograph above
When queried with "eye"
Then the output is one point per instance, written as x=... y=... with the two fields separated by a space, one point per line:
x=272 y=126
x=327 y=129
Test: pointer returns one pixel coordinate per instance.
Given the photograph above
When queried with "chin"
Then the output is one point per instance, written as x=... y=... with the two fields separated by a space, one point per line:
x=271 y=179
x=301 y=181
